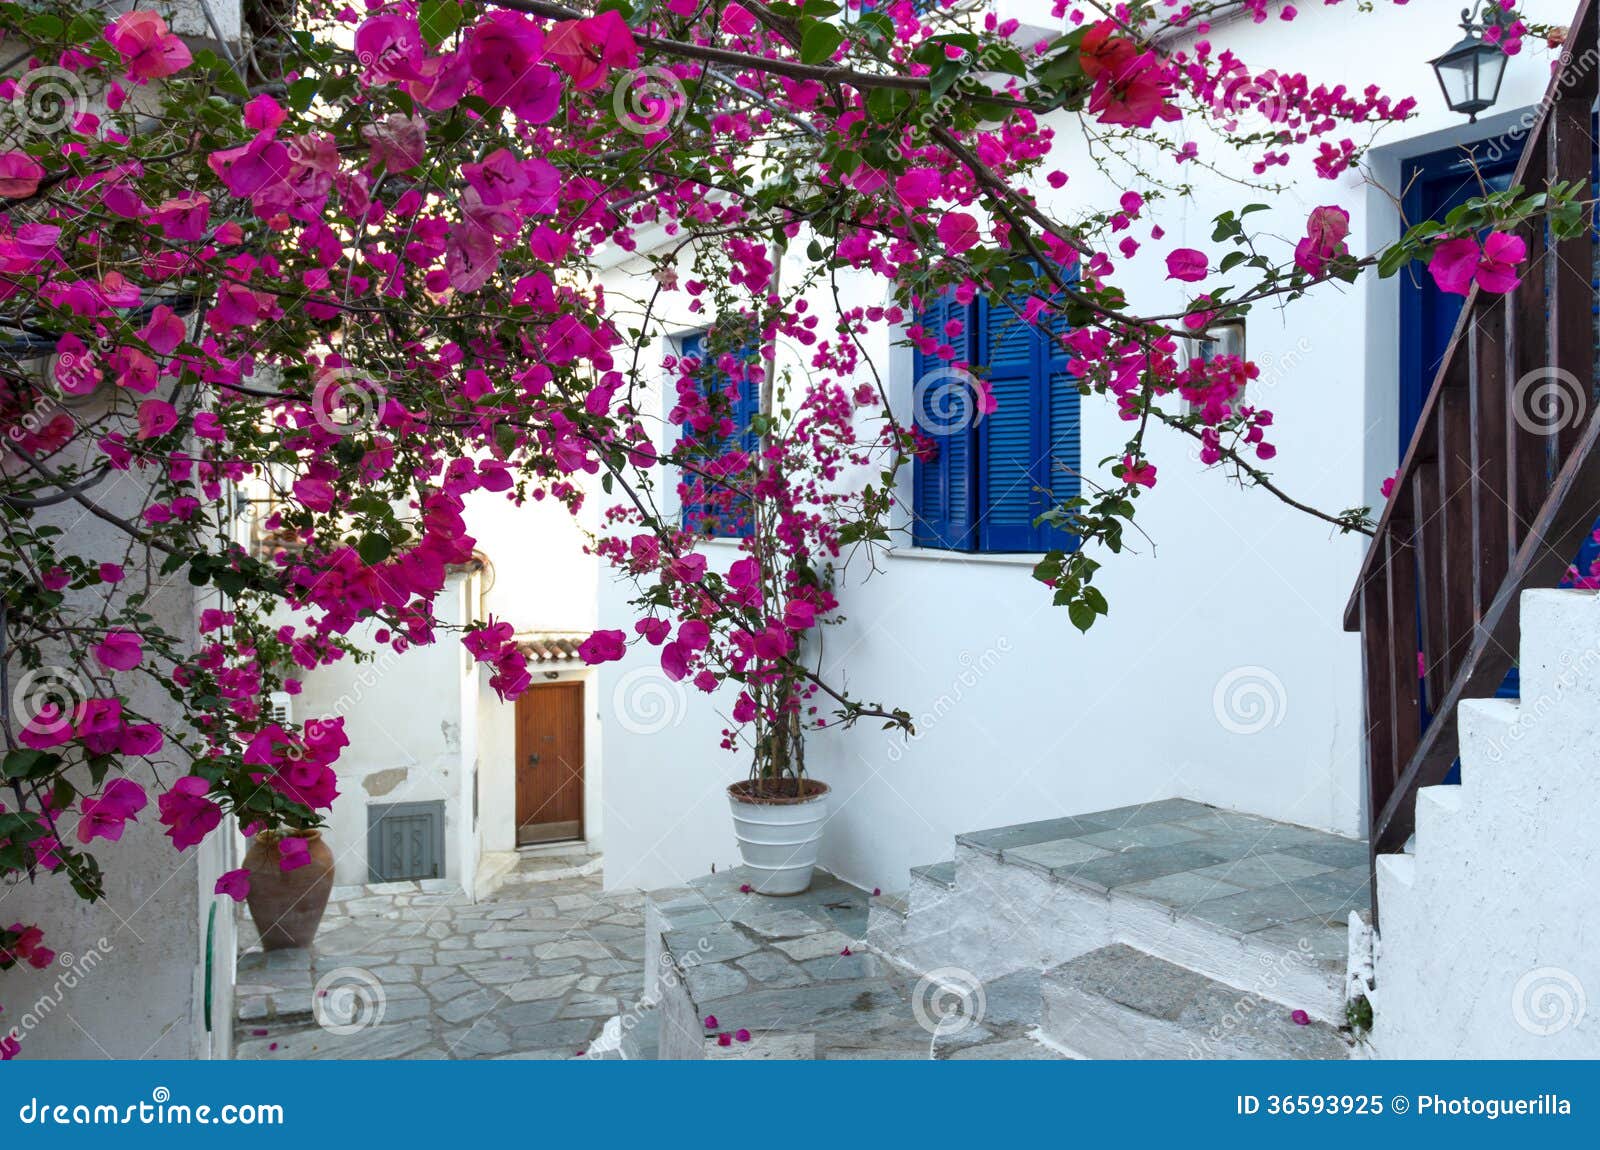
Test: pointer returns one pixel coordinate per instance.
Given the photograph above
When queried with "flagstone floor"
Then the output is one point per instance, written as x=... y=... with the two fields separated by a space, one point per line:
x=414 y=970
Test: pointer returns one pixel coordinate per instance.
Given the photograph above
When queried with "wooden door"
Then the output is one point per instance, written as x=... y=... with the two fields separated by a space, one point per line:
x=550 y=763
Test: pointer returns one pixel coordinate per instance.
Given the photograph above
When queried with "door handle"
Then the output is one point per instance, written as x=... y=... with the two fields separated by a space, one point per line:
x=533 y=760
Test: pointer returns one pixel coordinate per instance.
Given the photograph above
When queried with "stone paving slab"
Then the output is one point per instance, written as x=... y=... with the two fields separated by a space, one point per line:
x=794 y=973
x=416 y=970
x=1240 y=872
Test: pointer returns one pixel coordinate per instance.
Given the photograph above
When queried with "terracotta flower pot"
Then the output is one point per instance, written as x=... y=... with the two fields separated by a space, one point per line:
x=287 y=906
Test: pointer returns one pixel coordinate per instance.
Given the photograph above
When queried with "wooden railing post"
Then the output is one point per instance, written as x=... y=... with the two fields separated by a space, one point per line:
x=1570 y=158
x=1491 y=506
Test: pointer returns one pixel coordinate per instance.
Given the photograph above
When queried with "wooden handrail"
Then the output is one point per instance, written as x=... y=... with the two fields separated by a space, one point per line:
x=1488 y=501
x=1532 y=161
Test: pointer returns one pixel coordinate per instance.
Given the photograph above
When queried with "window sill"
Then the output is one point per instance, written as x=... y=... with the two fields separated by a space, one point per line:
x=1028 y=559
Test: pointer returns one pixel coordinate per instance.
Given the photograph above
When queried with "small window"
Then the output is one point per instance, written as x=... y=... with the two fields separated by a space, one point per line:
x=405 y=841
x=1219 y=340
x=991 y=476
x=709 y=506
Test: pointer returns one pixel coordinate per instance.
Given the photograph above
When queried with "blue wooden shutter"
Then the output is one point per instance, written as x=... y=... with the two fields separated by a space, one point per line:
x=1064 y=405
x=1012 y=439
x=697 y=514
x=1033 y=433
x=691 y=346
x=943 y=488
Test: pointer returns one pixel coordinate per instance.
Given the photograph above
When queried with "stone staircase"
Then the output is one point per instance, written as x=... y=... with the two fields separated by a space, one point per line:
x=1488 y=942
x=1171 y=929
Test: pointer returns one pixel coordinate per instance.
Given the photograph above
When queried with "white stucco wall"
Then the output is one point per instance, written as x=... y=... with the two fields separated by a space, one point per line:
x=1235 y=602
x=129 y=977
x=404 y=717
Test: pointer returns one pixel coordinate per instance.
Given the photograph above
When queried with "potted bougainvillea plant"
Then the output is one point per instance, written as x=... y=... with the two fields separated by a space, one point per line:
x=770 y=476
x=351 y=259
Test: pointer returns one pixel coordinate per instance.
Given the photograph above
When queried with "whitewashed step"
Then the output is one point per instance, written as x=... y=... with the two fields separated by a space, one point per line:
x=1437 y=808
x=1257 y=904
x=1556 y=648
x=1401 y=870
x=1120 y=1002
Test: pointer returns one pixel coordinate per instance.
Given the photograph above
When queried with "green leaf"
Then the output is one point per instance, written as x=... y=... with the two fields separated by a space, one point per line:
x=302 y=92
x=819 y=42
x=27 y=763
x=45 y=27
x=439 y=19
x=374 y=548
x=1081 y=614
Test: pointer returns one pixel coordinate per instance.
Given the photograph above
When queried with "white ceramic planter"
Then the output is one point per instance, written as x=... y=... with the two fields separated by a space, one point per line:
x=779 y=841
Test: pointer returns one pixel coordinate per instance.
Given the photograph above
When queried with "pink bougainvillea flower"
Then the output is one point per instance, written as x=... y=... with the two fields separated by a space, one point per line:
x=1387 y=487
x=1502 y=252
x=187 y=813
x=1301 y=1018
x=587 y=49
x=742 y=1034
x=1453 y=264
x=958 y=232
x=111 y=573
x=235 y=884
x=1139 y=472
x=28 y=946
x=724 y=1039
x=876 y=892
x=293 y=853
x=50 y=727
x=156 y=418
x=1324 y=240
x=744 y=887
x=20 y=174
x=603 y=647
x=164 y=332
x=103 y=817
x=140 y=739
x=711 y=1022
x=149 y=50
x=389 y=47
x=119 y=651
x=918 y=186
x=1187 y=265
x=183 y=218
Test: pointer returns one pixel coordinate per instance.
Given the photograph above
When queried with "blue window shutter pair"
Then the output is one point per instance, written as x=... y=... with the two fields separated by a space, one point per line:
x=943 y=486
x=709 y=518
x=994 y=478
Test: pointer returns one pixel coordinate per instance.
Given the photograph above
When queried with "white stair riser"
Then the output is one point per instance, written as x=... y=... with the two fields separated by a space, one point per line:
x=1096 y=1027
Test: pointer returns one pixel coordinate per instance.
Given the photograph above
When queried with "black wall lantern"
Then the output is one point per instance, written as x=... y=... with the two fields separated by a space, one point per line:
x=1470 y=73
